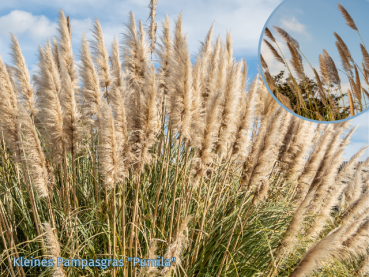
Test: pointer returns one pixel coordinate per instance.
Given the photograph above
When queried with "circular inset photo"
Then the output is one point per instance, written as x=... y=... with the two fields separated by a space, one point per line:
x=315 y=58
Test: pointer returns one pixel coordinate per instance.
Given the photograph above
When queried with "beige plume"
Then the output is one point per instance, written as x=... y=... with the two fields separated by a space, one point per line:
x=101 y=58
x=110 y=149
x=23 y=78
x=53 y=249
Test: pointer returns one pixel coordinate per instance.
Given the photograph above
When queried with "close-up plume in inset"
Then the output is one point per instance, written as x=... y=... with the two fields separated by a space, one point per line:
x=315 y=60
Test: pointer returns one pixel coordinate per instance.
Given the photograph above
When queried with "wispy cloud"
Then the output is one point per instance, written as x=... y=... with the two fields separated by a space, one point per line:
x=23 y=23
x=292 y=24
x=244 y=18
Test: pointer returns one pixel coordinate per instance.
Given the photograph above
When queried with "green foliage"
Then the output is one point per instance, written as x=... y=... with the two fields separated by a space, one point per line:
x=310 y=91
x=257 y=235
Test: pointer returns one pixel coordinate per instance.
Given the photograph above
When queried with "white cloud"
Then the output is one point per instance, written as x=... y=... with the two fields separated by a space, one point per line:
x=32 y=31
x=345 y=87
x=244 y=18
x=292 y=24
x=80 y=26
x=22 y=22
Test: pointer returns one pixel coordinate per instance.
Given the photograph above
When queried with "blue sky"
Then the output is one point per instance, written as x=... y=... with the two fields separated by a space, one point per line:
x=33 y=21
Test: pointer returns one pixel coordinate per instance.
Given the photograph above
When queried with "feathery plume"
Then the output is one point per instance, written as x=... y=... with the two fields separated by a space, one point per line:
x=365 y=73
x=137 y=74
x=285 y=101
x=229 y=109
x=356 y=245
x=349 y=21
x=318 y=253
x=357 y=88
x=262 y=191
x=65 y=46
x=344 y=58
x=228 y=48
x=9 y=110
x=11 y=74
x=110 y=149
x=34 y=155
x=181 y=84
x=305 y=190
x=101 y=57
x=56 y=53
x=210 y=136
x=324 y=70
x=266 y=153
x=153 y=26
x=91 y=88
x=175 y=248
x=350 y=164
x=164 y=52
x=332 y=69
x=365 y=56
x=135 y=54
x=265 y=103
x=211 y=82
x=295 y=157
x=325 y=249
x=205 y=54
x=288 y=140
x=222 y=70
x=269 y=34
x=53 y=249
x=22 y=75
x=207 y=45
x=345 y=51
x=331 y=163
x=242 y=135
x=72 y=116
x=244 y=76
x=357 y=208
x=352 y=227
x=117 y=95
x=296 y=61
x=286 y=36
x=274 y=51
x=263 y=63
x=51 y=113
x=272 y=85
x=197 y=110
x=253 y=174
x=354 y=187
x=333 y=105
x=150 y=117
x=320 y=88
